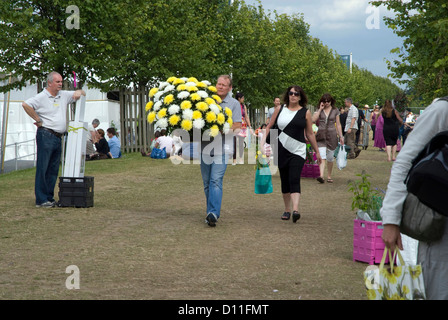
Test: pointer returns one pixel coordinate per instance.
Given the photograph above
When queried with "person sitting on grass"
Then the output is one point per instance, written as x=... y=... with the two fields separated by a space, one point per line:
x=114 y=143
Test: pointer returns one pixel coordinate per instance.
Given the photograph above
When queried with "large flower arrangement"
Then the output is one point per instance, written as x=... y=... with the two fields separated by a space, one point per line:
x=186 y=103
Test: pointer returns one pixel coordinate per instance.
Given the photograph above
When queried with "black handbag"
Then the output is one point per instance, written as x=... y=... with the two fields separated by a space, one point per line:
x=420 y=222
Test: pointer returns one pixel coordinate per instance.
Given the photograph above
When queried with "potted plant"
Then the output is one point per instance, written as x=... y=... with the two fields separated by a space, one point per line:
x=367 y=227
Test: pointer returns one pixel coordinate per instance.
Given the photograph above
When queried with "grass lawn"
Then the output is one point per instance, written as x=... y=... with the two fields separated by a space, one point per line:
x=145 y=237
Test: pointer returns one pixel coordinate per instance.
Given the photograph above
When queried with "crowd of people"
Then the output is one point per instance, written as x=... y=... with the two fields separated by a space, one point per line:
x=98 y=147
x=294 y=124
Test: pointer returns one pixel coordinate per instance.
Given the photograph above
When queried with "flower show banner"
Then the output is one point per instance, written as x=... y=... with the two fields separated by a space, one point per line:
x=75 y=151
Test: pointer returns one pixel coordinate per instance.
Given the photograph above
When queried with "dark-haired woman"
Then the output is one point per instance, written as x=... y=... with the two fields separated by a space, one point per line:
x=293 y=121
x=391 y=129
x=239 y=138
x=329 y=128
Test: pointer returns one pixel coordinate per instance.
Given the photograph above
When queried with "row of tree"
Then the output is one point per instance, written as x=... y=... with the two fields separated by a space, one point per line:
x=422 y=61
x=115 y=43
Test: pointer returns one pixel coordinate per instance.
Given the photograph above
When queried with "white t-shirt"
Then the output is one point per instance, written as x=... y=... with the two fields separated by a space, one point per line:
x=52 y=110
x=165 y=142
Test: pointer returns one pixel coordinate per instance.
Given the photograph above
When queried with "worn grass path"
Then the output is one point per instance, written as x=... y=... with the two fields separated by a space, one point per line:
x=145 y=237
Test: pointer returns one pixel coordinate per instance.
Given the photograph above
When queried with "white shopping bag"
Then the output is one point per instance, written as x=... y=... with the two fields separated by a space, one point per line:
x=341 y=159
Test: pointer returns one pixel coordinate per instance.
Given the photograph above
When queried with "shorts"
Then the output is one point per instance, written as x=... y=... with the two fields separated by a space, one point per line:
x=326 y=154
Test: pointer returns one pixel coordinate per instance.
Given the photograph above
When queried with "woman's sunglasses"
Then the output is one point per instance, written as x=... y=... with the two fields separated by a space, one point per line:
x=297 y=94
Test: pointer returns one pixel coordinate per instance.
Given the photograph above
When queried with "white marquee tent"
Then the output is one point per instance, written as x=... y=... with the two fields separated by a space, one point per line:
x=18 y=133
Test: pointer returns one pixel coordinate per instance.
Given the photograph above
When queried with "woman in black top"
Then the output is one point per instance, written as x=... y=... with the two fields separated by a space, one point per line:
x=392 y=123
x=101 y=145
x=294 y=125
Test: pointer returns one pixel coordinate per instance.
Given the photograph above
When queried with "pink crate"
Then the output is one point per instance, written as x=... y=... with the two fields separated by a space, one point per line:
x=367 y=243
x=310 y=171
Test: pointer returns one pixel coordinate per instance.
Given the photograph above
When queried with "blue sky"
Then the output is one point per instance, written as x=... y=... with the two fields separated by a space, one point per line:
x=346 y=26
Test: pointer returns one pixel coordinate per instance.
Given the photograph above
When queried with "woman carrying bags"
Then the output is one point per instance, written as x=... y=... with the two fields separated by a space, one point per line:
x=329 y=127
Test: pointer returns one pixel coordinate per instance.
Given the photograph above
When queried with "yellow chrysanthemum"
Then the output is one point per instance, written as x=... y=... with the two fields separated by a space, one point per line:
x=202 y=106
x=149 y=105
x=151 y=117
x=214 y=131
x=228 y=112
x=171 y=79
x=192 y=89
x=181 y=87
x=174 y=119
x=210 y=101
x=217 y=98
x=192 y=79
x=168 y=99
x=195 y=97
x=178 y=81
x=153 y=91
x=197 y=115
x=185 y=105
x=210 y=117
x=161 y=113
x=201 y=85
x=186 y=124
x=212 y=89
x=220 y=118
x=230 y=121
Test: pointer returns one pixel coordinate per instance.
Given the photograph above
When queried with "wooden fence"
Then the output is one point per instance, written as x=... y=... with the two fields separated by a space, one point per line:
x=136 y=132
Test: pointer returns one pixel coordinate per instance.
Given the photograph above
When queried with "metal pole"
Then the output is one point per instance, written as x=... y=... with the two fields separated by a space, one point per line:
x=5 y=126
x=351 y=61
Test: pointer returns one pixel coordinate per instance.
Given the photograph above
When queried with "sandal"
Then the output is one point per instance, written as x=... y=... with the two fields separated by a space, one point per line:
x=295 y=216
x=330 y=180
x=286 y=215
x=320 y=179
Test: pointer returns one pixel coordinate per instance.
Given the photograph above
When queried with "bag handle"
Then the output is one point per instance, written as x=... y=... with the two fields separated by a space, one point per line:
x=391 y=258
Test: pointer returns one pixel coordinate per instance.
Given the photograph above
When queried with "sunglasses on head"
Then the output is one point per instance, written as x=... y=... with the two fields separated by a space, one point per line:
x=297 y=94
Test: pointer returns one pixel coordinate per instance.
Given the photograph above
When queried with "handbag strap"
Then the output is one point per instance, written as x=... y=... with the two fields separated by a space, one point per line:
x=391 y=258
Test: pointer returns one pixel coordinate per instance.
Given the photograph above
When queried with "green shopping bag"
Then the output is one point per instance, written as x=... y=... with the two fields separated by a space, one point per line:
x=404 y=282
x=263 y=181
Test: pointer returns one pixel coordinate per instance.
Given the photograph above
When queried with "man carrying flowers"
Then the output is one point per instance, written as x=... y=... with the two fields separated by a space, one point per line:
x=215 y=154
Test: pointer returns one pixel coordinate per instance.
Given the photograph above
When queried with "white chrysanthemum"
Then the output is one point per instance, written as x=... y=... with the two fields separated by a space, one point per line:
x=206 y=82
x=226 y=127
x=202 y=94
x=158 y=95
x=170 y=88
x=163 y=85
x=199 y=123
x=162 y=123
x=190 y=84
x=187 y=114
x=214 y=108
x=183 y=95
x=173 y=109
x=157 y=105
x=184 y=79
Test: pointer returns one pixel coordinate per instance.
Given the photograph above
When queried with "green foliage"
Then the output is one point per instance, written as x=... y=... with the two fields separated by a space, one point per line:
x=423 y=25
x=122 y=43
x=365 y=198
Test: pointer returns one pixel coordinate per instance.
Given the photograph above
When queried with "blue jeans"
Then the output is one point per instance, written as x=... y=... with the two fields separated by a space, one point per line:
x=49 y=149
x=213 y=170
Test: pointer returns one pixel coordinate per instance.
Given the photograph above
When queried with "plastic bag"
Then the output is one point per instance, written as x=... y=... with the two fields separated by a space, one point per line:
x=263 y=181
x=341 y=159
x=158 y=153
x=404 y=282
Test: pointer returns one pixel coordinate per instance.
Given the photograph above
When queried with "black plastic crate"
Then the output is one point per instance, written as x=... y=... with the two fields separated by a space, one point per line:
x=76 y=192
